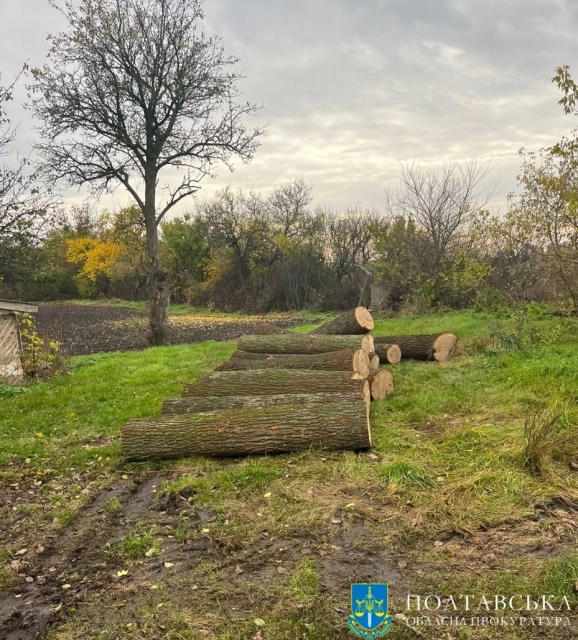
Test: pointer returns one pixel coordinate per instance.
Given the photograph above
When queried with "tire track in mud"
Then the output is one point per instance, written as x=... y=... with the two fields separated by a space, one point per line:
x=73 y=564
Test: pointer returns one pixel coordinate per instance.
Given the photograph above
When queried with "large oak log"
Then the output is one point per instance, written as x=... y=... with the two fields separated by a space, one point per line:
x=381 y=384
x=304 y=343
x=270 y=382
x=200 y=404
x=357 y=320
x=346 y=360
x=436 y=346
x=238 y=432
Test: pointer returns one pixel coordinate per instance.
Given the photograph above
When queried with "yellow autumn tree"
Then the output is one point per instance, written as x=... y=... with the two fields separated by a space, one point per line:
x=97 y=257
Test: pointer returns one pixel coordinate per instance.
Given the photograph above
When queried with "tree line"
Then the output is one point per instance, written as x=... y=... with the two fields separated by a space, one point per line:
x=434 y=245
x=135 y=88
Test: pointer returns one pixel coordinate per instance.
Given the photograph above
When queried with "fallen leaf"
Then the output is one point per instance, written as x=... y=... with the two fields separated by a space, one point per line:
x=57 y=607
x=336 y=521
x=267 y=495
x=350 y=505
x=373 y=456
x=21 y=552
x=281 y=570
x=39 y=549
x=438 y=543
x=17 y=595
x=124 y=572
x=124 y=476
x=238 y=569
x=259 y=622
x=150 y=552
x=66 y=586
x=402 y=564
x=15 y=565
x=29 y=579
x=168 y=565
x=154 y=586
x=40 y=435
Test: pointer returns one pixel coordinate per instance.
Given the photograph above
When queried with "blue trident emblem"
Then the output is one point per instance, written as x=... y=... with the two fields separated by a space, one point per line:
x=369 y=617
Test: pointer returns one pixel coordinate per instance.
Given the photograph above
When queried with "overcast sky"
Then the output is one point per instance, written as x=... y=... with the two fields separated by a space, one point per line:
x=351 y=88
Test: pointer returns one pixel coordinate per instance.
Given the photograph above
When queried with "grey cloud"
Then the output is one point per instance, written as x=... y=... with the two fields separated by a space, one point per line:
x=352 y=87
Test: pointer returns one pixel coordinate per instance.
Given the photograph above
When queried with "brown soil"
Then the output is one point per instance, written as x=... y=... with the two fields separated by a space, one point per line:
x=73 y=570
x=84 y=329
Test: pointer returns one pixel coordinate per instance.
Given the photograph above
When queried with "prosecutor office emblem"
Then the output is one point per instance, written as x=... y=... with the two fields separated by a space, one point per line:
x=369 y=617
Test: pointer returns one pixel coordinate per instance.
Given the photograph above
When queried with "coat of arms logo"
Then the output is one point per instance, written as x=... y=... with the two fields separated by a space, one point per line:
x=369 y=617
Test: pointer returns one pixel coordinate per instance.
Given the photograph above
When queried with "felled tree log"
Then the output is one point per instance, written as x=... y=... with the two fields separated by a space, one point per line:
x=304 y=343
x=201 y=404
x=374 y=363
x=380 y=384
x=239 y=432
x=346 y=360
x=435 y=346
x=388 y=353
x=357 y=320
x=268 y=382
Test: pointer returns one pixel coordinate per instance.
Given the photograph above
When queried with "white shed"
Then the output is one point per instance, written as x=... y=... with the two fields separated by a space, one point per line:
x=11 y=369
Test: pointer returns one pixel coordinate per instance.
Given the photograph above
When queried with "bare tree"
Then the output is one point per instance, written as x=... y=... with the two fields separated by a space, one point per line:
x=441 y=203
x=22 y=204
x=350 y=241
x=134 y=87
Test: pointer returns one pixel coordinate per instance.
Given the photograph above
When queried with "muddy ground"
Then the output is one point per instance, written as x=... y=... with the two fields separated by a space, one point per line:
x=84 y=329
x=72 y=580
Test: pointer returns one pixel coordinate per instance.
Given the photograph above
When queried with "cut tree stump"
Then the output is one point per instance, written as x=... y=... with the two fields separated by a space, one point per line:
x=201 y=404
x=380 y=384
x=237 y=432
x=436 y=346
x=347 y=360
x=304 y=343
x=388 y=353
x=357 y=320
x=269 y=382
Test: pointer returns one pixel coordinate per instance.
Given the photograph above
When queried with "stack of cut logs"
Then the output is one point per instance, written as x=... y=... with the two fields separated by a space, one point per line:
x=283 y=393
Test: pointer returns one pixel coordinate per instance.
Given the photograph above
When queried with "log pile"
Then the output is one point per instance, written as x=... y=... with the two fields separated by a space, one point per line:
x=283 y=393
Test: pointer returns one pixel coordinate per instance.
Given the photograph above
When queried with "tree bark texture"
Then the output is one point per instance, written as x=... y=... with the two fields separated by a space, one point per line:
x=273 y=382
x=346 y=360
x=304 y=343
x=352 y=322
x=436 y=346
x=237 y=432
x=158 y=288
x=200 y=404
x=381 y=384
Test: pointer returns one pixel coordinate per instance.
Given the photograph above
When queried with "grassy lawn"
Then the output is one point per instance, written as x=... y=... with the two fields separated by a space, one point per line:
x=450 y=501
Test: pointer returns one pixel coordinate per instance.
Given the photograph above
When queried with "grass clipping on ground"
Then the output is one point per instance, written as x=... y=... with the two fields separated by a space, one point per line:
x=471 y=488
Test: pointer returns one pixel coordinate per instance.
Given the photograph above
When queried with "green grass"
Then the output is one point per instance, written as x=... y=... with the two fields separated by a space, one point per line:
x=450 y=454
x=65 y=421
